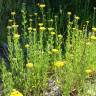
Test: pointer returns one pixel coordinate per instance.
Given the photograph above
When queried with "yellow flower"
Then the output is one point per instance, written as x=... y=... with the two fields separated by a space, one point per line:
x=88 y=71
x=29 y=65
x=16 y=93
x=13 y=13
x=30 y=29
x=77 y=18
x=50 y=29
x=10 y=20
x=40 y=24
x=59 y=64
x=93 y=37
x=55 y=51
x=53 y=33
x=42 y=5
x=94 y=29
x=69 y=13
x=16 y=36
x=87 y=22
x=30 y=20
x=74 y=28
x=9 y=27
x=42 y=28
x=35 y=14
x=15 y=26
x=27 y=46
x=23 y=11
x=34 y=29
x=88 y=43
x=60 y=36
x=80 y=31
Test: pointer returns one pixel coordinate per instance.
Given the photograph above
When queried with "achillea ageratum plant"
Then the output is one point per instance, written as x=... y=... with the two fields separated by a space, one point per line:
x=36 y=55
x=15 y=93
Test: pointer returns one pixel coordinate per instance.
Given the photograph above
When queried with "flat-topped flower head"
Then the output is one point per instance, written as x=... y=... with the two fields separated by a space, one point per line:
x=69 y=13
x=42 y=28
x=42 y=5
x=50 y=29
x=16 y=36
x=23 y=11
x=87 y=22
x=55 y=51
x=88 y=43
x=34 y=29
x=9 y=27
x=52 y=33
x=77 y=18
x=29 y=28
x=88 y=71
x=40 y=24
x=51 y=20
x=35 y=14
x=56 y=16
x=10 y=20
x=94 y=29
x=16 y=93
x=59 y=64
x=29 y=65
x=60 y=36
x=13 y=13
x=30 y=20
x=27 y=46
x=15 y=26
x=93 y=37
x=74 y=29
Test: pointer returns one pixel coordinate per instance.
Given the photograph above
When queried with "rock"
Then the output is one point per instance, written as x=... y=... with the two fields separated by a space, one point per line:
x=53 y=89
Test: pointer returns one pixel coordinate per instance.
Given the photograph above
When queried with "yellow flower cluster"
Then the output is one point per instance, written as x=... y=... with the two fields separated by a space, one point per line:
x=9 y=27
x=10 y=20
x=40 y=24
x=50 y=29
x=13 y=13
x=16 y=36
x=94 y=29
x=29 y=28
x=59 y=64
x=93 y=37
x=27 y=46
x=35 y=14
x=88 y=43
x=52 y=33
x=16 y=93
x=42 y=28
x=42 y=5
x=90 y=72
x=77 y=18
x=55 y=51
x=69 y=13
x=15 y=26
x=60 y=36
x=87 y=22
x=34 y=29
x=29 y=65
